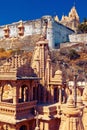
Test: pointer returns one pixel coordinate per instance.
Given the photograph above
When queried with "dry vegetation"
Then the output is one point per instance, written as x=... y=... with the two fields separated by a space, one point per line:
x=71 y=60
x=9 y=47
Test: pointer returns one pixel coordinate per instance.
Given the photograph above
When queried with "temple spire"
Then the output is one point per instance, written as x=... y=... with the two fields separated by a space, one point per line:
x=74 y=3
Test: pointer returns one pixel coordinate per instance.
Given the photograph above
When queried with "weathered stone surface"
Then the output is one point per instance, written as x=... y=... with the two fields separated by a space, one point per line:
x=78 y=38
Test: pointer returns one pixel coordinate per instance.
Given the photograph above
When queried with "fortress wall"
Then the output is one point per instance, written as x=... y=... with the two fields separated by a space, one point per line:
x=30 y=28
x=60 y=33
x=1 y=32
x=55 y=32
x=78 y=37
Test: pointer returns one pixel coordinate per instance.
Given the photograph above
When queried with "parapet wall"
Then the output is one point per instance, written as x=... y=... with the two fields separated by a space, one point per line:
x=78 y=37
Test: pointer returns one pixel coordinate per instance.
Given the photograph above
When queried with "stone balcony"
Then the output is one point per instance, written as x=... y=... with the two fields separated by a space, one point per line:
x=49 y=111
x=17 y=112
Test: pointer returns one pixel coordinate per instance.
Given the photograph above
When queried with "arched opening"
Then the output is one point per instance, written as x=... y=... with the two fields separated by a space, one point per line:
x=23 y=93
x=7 y=93
x=56 y=94
x=23 y=127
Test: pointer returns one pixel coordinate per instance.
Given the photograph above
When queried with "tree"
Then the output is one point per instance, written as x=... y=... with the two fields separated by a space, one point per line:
x=82 y=28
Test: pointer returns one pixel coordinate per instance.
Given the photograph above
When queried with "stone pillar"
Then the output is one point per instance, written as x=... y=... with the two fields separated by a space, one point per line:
x=71 y=124
x=43 y=63
x=49 y=94
x=24 y=94
x=48 y=69
x=31 y=90
x=52 y=94
x=15 y=93
x=67 y=122
x=37 y=122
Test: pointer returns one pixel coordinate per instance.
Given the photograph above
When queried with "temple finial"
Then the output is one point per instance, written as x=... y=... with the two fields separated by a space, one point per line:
x=74 y=3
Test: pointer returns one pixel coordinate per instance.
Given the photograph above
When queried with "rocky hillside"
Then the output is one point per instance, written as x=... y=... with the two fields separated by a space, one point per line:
x=72 y=60
x=14 y=45
x=20 y=45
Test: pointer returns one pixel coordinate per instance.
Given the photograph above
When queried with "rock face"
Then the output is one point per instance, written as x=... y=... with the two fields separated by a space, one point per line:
x=24 y=43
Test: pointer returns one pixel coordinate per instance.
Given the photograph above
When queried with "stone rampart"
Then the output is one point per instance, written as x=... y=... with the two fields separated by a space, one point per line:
x=53 y=31
x=30 y=28
x=78 y=37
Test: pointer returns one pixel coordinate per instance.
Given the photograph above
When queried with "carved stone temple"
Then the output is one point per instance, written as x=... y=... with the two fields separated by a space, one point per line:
x=32 y=94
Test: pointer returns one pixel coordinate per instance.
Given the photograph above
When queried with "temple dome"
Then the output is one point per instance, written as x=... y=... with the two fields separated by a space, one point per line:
x=58 y=72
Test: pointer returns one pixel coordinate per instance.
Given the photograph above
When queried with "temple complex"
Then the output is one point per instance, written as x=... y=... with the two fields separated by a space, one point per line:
x=34 y=94
x=72 y=20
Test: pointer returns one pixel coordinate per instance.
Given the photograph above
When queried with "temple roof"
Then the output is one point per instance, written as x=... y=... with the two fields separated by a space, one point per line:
x=17 y=67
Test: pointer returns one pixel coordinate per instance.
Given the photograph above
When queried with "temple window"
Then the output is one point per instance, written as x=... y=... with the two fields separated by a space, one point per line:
x=23 y=94
x=7 y=93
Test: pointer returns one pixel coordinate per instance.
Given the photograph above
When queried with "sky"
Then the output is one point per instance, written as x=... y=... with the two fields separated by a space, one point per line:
x=15 y=10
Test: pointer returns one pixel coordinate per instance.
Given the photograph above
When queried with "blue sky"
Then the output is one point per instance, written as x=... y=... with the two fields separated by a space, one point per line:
x=15 y=10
